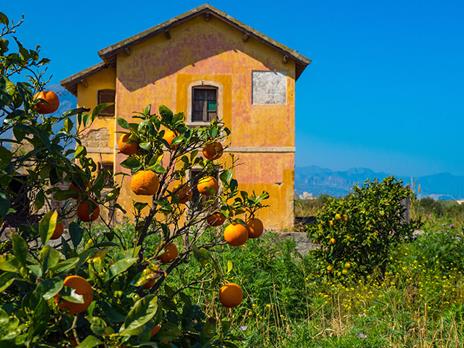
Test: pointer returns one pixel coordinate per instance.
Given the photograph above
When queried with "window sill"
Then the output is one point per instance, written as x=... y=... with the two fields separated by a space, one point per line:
x=197 y=124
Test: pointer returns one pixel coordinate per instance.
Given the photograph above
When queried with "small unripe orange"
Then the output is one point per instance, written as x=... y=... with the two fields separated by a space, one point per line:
x=48 y=102
x=88 y=210
x=208 y=185
x=126 y=146
x=81 y=287
x=216 y=219
x=236 y=234
x=155 y=330
x=213 y=151
x=59 y=228
x=170 y=253
x=169 y=136
x=145 y=183
x=255 y=228
x=230 y=295
x=183 y=193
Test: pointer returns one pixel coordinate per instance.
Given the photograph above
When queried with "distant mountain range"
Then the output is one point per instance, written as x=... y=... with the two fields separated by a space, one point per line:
x=317 y=181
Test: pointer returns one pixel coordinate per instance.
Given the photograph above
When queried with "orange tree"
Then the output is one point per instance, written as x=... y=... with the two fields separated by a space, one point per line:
x=99 y=284
x=357 y=233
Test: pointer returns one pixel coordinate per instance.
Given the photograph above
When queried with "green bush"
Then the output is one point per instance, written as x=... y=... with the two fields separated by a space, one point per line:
x=356 y=233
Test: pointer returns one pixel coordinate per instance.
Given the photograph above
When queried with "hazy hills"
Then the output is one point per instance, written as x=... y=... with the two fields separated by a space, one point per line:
x=317 y=180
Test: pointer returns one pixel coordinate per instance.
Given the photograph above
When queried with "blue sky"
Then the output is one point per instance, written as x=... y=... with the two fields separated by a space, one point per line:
x=385 y=90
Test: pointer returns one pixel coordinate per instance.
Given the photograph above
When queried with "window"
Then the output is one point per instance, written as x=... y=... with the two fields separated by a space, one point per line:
x=204 y=104
x=107 y=96
x=108 y=167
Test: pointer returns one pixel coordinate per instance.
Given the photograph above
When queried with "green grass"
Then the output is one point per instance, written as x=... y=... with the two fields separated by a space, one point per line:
x=418 y=304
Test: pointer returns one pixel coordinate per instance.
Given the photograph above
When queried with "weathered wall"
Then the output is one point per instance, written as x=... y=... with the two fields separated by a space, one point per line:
x=161 y=71
x=100 y=137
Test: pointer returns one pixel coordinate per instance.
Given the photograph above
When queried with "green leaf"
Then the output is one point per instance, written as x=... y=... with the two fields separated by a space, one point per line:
x=145 y=146
x=66 y=265
x=9 y=263
x=140 y=314
x=4 y=19
x=4 y=207
x=47 y=226
x=121 y=266
x=90 y=342
x=230 y=266
x=157 y=168
x=20 y=249
x=131 y=163
x=80 y=150
x=76 y=233
x=123 y=123
x=49 y=257
x=6 y=279
x=226 y=176
x=68 y=125
x=51 y=287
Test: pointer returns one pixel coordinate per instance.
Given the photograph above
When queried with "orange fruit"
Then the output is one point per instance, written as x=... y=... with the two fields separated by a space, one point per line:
x=213 y=151
x=81 y=287
x=48 y=104
x=170 y=253
x=216 y=219
x=183 y=193
x=332 y=241
x=155 y=330
x=88 y=210
x=236 y=234
x=255 y=228
x=126 y=146
x=59 y=228
x=231 y=295
x=144 y=182
x=169 y=136
x=208 y=185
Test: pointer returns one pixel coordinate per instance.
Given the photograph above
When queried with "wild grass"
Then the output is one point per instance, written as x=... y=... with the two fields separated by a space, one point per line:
x=419 y=303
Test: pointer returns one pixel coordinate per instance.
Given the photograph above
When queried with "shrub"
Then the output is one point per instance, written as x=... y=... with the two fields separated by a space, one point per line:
x=102 y=285
x=356 y=233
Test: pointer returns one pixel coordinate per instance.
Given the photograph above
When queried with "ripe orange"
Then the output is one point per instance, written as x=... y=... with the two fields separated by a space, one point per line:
x=338 y=216
x=216 y=219
x=169 y=136
x=255 y=228
x=126 y=146
x=332 y=241
x=81 y=287
x=59 y=228
x=88 y=210
x=48 y=104
x=183 y=193
x=208 y=185
x=231 y=295
x=144 y=182
x=170 y=253
x=236 y=234
x=155 y=330
x=213 y=151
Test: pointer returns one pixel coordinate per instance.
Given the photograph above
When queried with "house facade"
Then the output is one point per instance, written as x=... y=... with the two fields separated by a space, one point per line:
x=206 y=64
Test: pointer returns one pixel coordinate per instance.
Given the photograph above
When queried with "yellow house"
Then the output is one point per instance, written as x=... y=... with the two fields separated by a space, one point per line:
x=206 y=64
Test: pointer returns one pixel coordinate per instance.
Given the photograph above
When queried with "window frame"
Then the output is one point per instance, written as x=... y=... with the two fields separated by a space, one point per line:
x=113 y=106
x=219 y=97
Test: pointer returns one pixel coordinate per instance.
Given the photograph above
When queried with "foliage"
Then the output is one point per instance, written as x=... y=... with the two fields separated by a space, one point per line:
x=356 y=233
x=126 y=268
x=418 y=303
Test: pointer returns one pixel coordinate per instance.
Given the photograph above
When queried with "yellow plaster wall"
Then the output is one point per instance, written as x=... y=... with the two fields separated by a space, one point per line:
x=160 y=70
